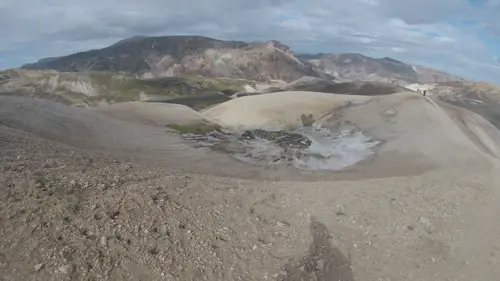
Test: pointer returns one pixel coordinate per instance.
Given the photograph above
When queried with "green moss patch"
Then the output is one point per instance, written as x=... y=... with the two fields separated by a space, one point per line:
x=307 y=120
x=196 y=128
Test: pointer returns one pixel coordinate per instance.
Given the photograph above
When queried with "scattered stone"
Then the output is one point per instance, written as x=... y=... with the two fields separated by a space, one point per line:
x=65 y=269
x=426 y=223
x=248 y=135
x=321 y=264
x=390 y=112
x=104 y=241
x=167 y=275
x=340 y=213
x=38 y=267
x=410 y=227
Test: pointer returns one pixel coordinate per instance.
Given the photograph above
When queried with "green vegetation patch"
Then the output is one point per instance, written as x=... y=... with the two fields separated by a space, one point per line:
x=194 y=84
x=201 y=101
x=307 y=120
x=131 y=88
x=273 y=90
x=196 y=128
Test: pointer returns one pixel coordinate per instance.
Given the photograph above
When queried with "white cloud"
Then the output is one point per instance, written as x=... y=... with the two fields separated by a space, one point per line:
x=398 y=49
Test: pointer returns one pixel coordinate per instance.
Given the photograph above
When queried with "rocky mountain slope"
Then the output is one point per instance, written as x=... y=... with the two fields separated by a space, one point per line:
x=481 y=98
x=354 y=66
x=363 y=88
x=92 y=88
x=166 y=56
x=148 y=57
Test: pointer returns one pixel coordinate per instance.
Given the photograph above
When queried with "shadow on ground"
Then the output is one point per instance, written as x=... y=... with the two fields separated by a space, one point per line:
x=323 y=263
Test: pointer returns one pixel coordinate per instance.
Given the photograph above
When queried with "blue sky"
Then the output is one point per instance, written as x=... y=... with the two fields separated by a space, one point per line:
x=458 y=36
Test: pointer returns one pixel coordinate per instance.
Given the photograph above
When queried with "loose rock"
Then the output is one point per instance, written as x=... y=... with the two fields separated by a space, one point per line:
x=38 y=266
x=426 y=223
x=65 y=269
x=104 y=241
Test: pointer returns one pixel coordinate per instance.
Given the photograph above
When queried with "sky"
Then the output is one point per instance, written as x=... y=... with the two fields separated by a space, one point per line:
x=458 y=36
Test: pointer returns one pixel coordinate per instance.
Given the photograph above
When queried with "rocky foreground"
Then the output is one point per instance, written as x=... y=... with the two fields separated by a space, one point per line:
x=89 y=208
x=73 y=215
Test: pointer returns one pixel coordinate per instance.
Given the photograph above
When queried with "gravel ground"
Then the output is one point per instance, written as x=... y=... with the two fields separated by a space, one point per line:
x=78 y=214
x=69 y=214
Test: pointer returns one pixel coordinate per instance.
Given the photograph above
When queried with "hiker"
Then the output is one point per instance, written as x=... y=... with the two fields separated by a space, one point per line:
x=425 y=92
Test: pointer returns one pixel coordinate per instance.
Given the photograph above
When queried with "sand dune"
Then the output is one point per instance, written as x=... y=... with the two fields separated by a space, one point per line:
x=277 y=110
x=157 y=114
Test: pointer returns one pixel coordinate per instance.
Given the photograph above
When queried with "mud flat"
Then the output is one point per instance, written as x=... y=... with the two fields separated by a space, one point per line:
x=312 y=148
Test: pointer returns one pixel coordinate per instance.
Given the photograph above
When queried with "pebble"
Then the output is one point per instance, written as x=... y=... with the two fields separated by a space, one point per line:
x=65 y=269
x=390 y=111
x=38 y=266
x=104 y=241
x=321 y=264
x=167 y=275
x=426 y=223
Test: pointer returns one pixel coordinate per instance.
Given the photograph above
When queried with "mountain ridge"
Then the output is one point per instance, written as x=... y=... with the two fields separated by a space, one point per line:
x=149 y=57
x=167 y=56
x=358 y=67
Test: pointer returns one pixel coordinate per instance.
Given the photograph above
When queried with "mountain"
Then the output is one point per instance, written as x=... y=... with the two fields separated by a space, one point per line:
x=88 y=89
x=167 y=56
x=149 y=57
x=357 y=67
x=481 y=98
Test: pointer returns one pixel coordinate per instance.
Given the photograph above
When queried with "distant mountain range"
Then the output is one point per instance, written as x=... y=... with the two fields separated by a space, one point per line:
x=352 y=66
x=152 y=57
x=200 y=71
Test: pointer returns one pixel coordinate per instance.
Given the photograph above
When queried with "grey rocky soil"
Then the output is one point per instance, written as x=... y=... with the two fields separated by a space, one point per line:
x=88 y=208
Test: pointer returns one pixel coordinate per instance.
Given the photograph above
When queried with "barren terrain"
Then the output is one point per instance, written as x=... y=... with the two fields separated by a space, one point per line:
x=106 y=196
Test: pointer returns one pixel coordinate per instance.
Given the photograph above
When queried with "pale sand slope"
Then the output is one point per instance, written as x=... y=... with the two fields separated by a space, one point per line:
x=440 y=225
x=416 y=133
x=159 y=114
x=484 y=134
x=277 y=110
